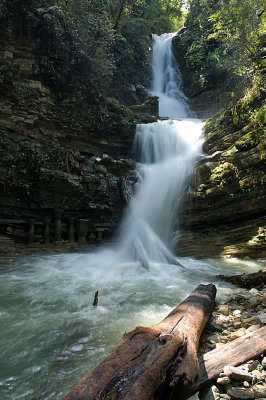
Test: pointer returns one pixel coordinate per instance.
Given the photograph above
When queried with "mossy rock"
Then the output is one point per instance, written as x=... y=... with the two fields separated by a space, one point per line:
x=224 y=174
x=251 y=139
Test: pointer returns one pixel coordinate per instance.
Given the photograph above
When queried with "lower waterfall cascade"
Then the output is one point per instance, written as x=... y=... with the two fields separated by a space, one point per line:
x=51 y=335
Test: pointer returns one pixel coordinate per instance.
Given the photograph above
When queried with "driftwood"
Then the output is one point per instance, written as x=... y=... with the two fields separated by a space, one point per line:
x=249 y=281
x=234 y=353
x=95 y=301
x=153 y=362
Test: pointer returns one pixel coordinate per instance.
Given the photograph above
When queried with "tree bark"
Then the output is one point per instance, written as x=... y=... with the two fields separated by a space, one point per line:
x=234 y=353
x=248 y=281
x=153 y=362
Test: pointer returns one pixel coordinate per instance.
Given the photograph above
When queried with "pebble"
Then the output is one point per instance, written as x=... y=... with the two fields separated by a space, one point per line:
x=253 y=365
x=254 y=320
x=240 y=393
x=212 y=394
x=224 y=309
x=237 y=324
x=253 y=302
x=237 y=374
x=258 y=375
x=240 y=332
x=224 y=380
x=245 y=314
x=259 y=391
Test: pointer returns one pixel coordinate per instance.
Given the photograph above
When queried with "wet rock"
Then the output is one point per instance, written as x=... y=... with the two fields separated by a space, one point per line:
x=253 y=302
x=259 y=391
x=100 y=168
x=253 y=365
x=213 y=327
x=224 y=380
x=240 y=393
x=237 y=374
x=254 y=292
x=212 y=393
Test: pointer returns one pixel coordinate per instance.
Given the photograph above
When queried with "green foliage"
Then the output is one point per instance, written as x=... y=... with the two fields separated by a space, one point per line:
x=86 y=42
x=226 y=35
x=159 y=15
x=245 y=35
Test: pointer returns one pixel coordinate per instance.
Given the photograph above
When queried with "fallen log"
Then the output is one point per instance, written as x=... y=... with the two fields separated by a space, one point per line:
x=153 y=362
x=253 y=280
x=235 y=353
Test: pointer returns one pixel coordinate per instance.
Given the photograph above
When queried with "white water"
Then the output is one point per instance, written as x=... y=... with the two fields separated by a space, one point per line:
x=167 y=151
x=50 y=334
x=167 y=79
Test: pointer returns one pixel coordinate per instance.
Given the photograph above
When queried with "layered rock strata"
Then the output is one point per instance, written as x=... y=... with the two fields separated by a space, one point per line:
x=224 y=214
x=65 y=161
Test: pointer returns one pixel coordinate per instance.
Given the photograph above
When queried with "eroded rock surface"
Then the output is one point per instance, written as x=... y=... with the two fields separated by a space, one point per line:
x=65 y=149
x=224 y=213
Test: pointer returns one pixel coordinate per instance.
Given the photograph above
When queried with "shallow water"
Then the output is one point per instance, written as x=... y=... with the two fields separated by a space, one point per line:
x=51 y=335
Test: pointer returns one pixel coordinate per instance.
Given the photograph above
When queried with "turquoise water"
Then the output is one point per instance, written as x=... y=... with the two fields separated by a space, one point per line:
x=51 y=335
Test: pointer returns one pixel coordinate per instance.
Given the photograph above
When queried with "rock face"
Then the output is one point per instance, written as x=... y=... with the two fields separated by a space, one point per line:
x=65 y=150
x=225 y=214
x=208 y=92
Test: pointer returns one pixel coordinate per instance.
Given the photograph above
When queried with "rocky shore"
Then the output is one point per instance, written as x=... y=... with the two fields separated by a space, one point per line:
x=242 y=313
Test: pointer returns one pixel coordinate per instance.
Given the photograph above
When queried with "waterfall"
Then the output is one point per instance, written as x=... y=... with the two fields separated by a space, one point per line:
x=166 y=151
x=167 y=79
x=50 y=332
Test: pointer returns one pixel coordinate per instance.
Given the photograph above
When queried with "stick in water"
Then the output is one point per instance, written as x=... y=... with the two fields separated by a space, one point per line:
x=95 y=303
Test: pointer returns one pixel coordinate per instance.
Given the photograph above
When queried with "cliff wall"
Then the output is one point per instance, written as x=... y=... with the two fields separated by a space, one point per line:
x=65 y=149
x=225 y=213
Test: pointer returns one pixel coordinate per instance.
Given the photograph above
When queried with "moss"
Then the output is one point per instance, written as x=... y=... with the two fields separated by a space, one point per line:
x=204 y=172
x=224 y=174
x=150 y=107
x=251 y=139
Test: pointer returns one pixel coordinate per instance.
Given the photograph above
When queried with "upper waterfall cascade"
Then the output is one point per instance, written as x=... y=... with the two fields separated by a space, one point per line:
x=166 y=83
x=166 y=151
